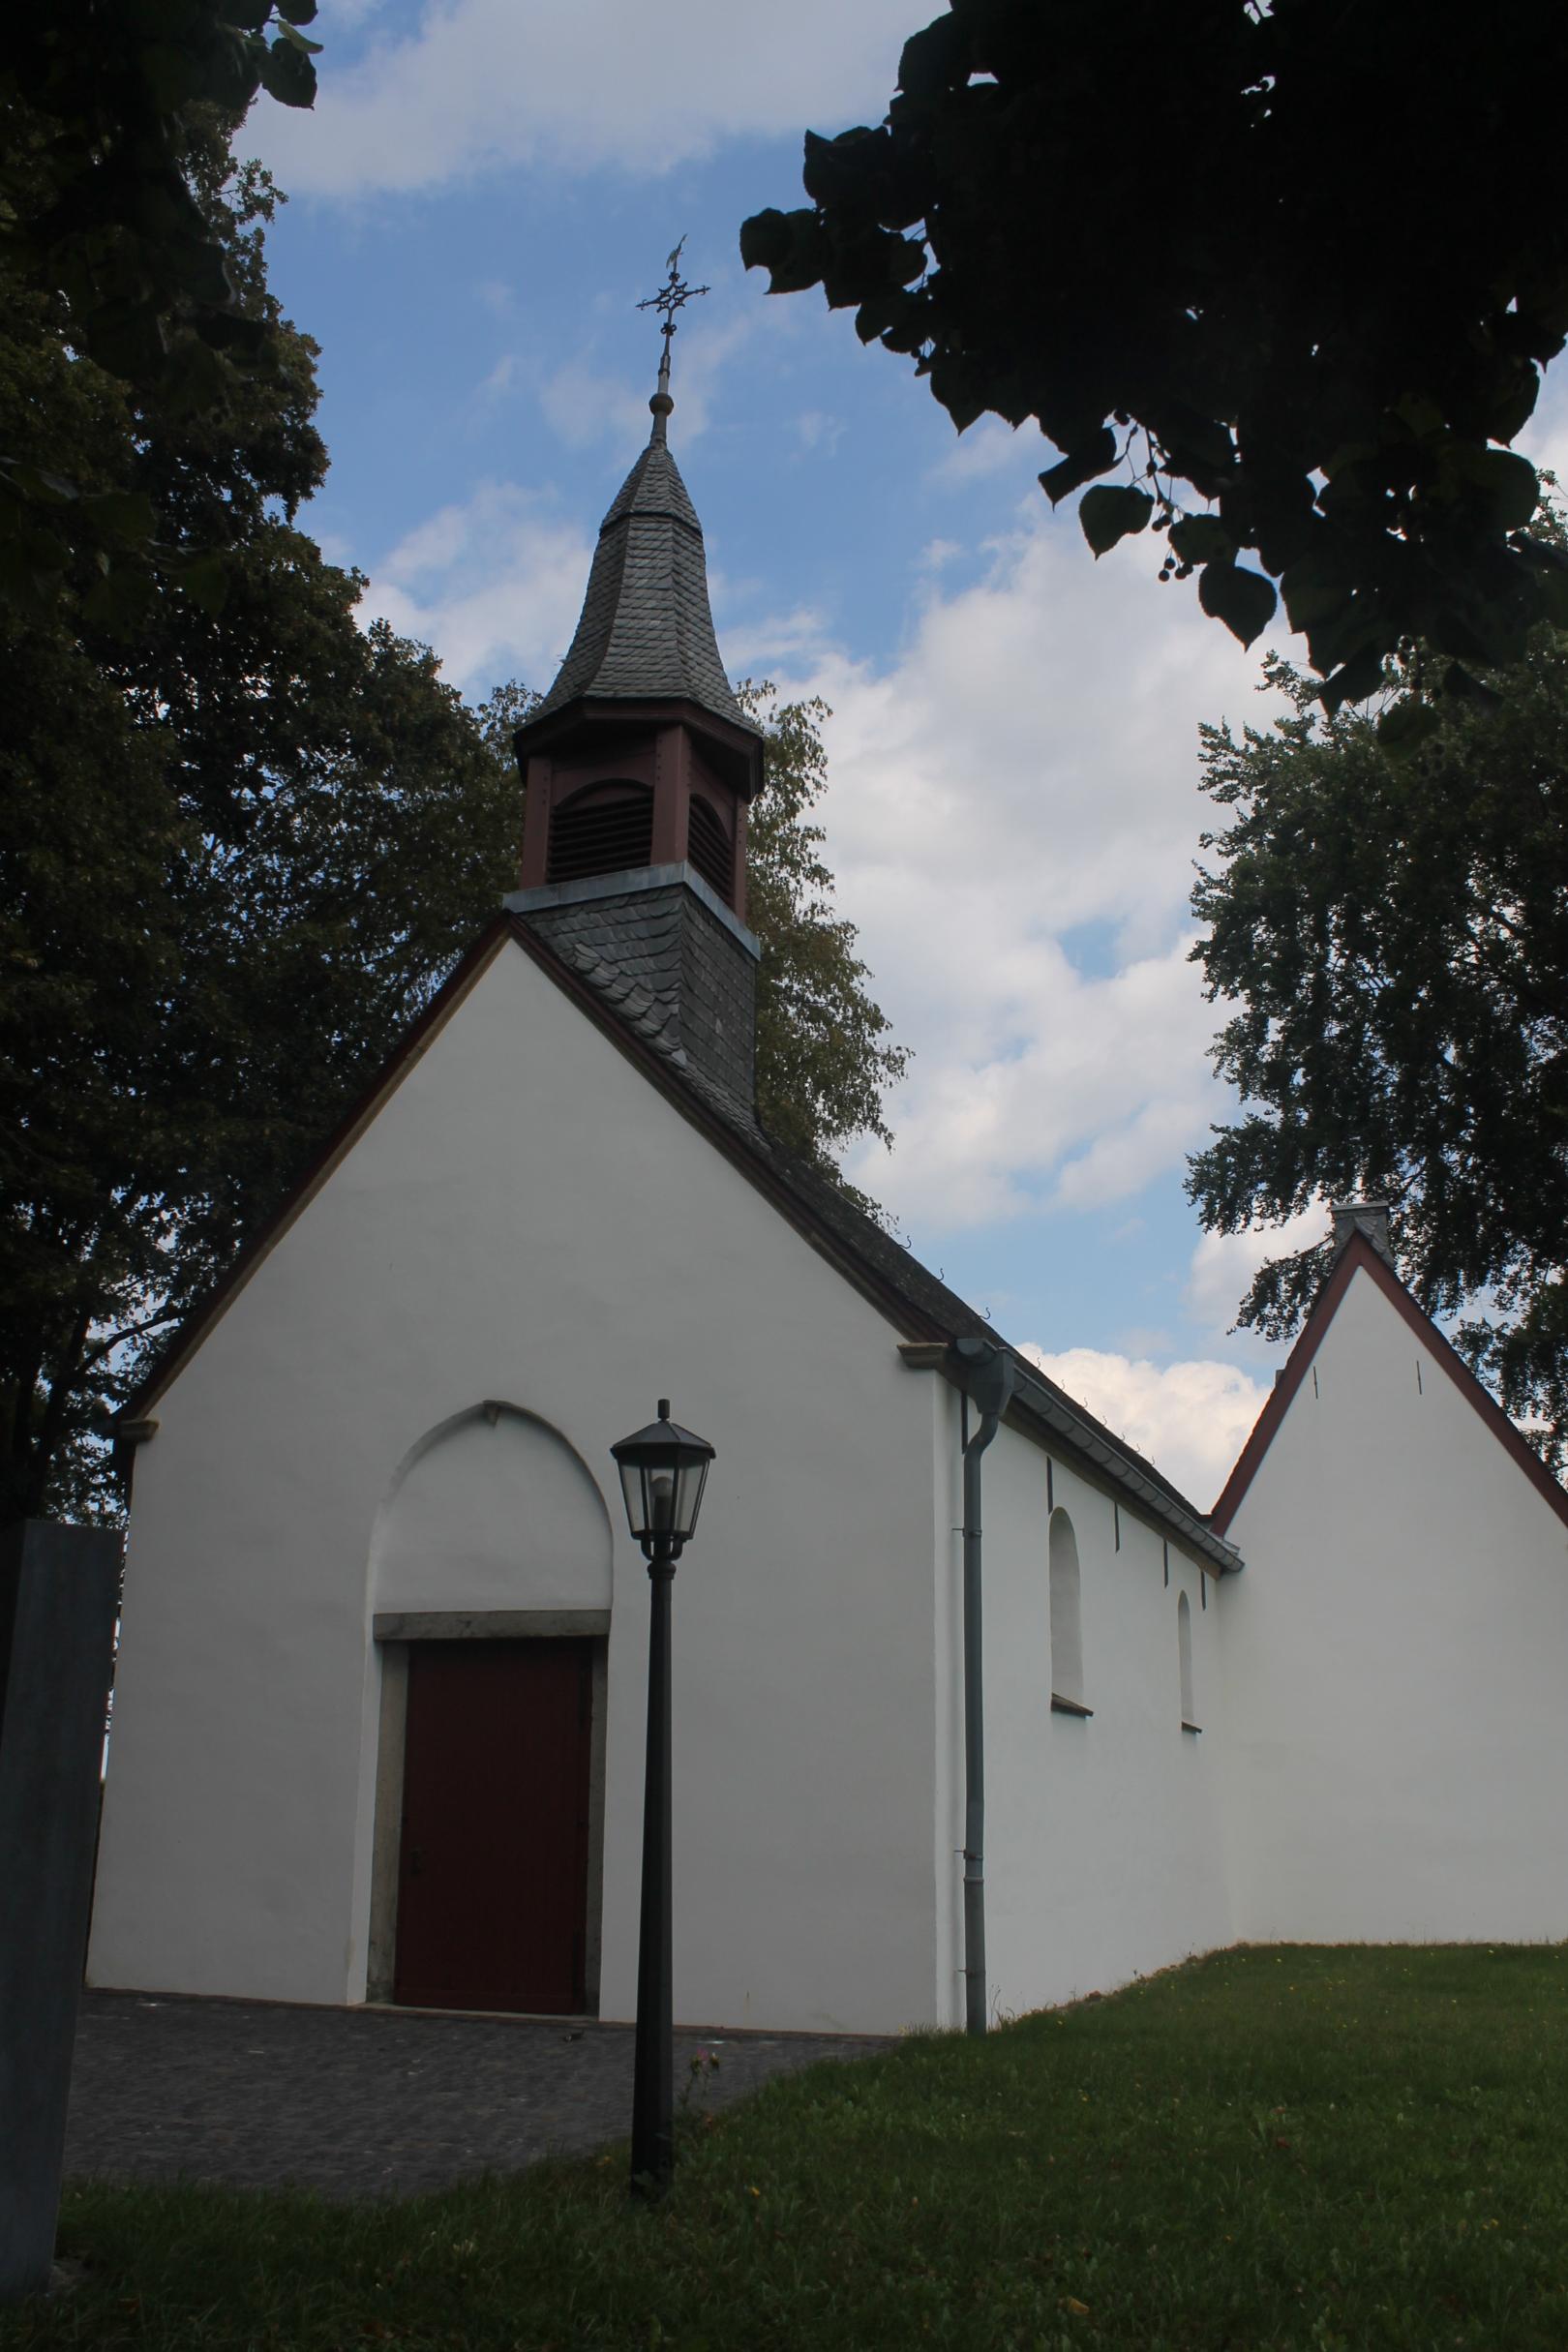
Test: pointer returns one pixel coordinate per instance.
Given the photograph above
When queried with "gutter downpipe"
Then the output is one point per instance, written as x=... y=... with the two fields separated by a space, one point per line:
x=987 y=1376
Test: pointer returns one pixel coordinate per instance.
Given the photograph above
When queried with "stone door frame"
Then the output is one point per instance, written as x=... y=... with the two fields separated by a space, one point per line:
x=393 y=1630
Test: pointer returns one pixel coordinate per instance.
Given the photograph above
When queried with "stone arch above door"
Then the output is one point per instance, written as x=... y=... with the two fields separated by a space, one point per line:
x=492 y=1509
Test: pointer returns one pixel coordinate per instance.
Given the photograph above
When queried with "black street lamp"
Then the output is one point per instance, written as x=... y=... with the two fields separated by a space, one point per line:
x=663 y=1470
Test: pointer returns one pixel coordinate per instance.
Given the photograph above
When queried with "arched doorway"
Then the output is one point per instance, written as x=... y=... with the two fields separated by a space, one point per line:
x=493 y=1547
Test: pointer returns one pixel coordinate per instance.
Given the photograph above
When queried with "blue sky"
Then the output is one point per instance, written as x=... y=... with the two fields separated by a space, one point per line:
x=478 y=203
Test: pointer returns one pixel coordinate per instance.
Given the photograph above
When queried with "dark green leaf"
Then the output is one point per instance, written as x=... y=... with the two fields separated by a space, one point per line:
x=885 y=314
x=1245 y=601
x=846 y=171
x=126 y=515
x=206 y=582
x=21 y=587
x=1109 y=514
x=1202 y=539
x=957 y=384
x=1548 y=568
x=1080 y=466
x=788 y=245
x=297 y=12
x=935 y=60
x=287 y=76
x=44 y=549
x=1463 y=687
x=197 y=379
x=47 y=489
x=118 y=603
x=173 y=74
x=1353 y=680
x=1405 y=725
x=1314 y=590
x=1514 y=486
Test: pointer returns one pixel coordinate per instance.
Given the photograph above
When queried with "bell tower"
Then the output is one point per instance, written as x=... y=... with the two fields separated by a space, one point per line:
x=637 y=767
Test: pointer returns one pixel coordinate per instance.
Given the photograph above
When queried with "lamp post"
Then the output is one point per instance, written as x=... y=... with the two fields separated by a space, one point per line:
x=663 y=1470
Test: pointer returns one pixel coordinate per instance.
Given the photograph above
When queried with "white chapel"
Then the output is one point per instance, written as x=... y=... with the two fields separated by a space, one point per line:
x=379 y=1730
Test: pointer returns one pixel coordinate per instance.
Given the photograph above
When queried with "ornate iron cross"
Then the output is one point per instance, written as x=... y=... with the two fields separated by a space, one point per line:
x=671 y=297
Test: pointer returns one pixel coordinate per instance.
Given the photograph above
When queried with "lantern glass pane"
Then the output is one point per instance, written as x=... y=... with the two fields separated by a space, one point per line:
x=660 y=1486
x=689 y=1495
x=631 y=1486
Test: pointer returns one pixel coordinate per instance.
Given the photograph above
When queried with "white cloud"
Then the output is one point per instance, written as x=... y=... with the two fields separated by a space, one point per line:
x=1224 y=1264
x=1011 y=817
x=816 y=430
x=579 y=86
x=498 y=382
x=583 y=404
x=1025 y=771
x=992 y=446
x=1058 y=1087
x=1191 y=1420
x=1545 y=439
x=494 y=585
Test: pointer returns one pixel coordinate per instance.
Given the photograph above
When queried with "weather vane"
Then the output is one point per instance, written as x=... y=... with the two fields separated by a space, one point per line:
x=671 y=297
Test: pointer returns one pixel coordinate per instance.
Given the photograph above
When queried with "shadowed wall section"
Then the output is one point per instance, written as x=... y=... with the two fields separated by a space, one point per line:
x=492 y=1509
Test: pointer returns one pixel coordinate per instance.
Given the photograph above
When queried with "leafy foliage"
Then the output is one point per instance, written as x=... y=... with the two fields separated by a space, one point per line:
x=1306 y=262
x=1396 y=935
x=106 y=233
x=823 y=1061
x=228 y=870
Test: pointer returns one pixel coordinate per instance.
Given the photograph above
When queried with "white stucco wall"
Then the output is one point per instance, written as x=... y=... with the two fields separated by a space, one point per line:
x=1102 y=1845
x=1394 y=1658
x=527 y=1220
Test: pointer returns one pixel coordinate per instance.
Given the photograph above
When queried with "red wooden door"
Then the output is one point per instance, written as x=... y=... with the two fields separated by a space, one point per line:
x=492 y=1866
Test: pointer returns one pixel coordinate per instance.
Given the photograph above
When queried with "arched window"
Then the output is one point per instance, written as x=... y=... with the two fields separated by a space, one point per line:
x=603 y=830
x=1067 y=1631
x=708 y=847
x=1184 y=1652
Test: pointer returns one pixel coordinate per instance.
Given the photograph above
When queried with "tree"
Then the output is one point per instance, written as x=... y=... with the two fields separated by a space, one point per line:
x=823 y=1061
x=824 y=1064
x=1306 y=260
x=106 y=233
x=1395 y=936
x=200 y=982
x=228 y=870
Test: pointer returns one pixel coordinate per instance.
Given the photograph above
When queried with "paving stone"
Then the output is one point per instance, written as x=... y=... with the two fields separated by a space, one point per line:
x=370 y=2103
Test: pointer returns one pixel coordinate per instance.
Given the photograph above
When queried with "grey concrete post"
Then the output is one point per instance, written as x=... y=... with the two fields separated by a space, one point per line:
x=57 y=1600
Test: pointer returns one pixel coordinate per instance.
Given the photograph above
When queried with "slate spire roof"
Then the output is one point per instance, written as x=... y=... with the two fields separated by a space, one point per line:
x=646 y=629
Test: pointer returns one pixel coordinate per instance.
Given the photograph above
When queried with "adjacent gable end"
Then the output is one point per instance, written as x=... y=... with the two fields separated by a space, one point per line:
x=1360 y=1257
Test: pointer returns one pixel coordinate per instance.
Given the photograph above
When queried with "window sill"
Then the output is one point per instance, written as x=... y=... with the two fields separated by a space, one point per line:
x=1196 y=1728
x=1068 y=1707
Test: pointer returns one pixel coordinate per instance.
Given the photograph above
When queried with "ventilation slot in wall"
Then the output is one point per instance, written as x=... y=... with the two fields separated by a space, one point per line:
x=708 y=851
x=602 y=832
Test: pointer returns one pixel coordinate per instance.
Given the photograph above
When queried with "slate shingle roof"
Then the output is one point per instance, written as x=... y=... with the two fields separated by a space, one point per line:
x=627 y=1007
x=923 y=1296
x=646 y=629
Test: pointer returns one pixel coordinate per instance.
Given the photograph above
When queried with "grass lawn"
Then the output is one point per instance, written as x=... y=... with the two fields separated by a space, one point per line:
x=1305 y=2147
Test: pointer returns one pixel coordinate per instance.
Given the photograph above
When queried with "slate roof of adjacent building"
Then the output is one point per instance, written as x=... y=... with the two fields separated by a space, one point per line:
x=645 y=632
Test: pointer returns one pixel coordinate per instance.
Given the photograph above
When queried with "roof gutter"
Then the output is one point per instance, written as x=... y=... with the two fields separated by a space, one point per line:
x=1055 y=1416
x=1032 y=1396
